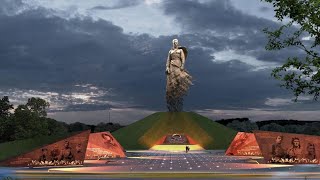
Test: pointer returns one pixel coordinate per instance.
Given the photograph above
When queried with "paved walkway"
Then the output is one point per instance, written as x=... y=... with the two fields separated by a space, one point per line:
x=194 y=164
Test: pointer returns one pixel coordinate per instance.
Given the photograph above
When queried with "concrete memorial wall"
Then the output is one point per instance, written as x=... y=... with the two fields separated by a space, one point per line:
x=65 y=152
x=278 y=147
x=244 y=144
x=103 y=145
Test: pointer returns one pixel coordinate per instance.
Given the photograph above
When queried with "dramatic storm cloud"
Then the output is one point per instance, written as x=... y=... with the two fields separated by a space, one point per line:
x=90 y=57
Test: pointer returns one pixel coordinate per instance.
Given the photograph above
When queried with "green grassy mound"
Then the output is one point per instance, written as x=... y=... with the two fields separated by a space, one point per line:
x=145 y=133
x=18 y=147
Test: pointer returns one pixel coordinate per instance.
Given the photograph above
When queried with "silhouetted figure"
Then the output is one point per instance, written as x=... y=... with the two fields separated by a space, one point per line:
x=187 y=149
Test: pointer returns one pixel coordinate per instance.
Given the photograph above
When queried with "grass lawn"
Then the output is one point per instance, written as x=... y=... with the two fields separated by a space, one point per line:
x=145 y=133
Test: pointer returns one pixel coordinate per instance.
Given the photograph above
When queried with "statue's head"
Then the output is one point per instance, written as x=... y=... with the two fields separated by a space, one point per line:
x=175 y=42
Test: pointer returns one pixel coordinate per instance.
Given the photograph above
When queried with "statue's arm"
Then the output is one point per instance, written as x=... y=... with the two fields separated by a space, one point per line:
x=183 y=59
x=168 y=60
x=168 y=63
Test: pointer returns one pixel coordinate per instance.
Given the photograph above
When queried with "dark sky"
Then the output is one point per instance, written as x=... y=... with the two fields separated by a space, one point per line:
x=88 y=58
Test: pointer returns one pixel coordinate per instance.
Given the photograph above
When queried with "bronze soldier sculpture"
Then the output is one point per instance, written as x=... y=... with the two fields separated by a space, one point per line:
x=178 y=79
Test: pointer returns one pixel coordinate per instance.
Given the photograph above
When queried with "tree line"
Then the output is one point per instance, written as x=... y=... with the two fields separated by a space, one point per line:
x=30 y=120
x=288 y=126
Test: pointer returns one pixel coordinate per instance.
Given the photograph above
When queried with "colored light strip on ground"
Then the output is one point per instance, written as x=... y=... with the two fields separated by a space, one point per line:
x=176 y=148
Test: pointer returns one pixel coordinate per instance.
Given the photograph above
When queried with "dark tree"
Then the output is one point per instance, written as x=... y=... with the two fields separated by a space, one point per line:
x=77 y=126
x=244 y=126
x=282 y=122
x=273 y=127
x=312 y=128
x=101 y=127
x=38 y=106
x=28 y=124
x=6 y=124
x=56 y=127
x=299 y=74
x=227 y=121
x=5 y=107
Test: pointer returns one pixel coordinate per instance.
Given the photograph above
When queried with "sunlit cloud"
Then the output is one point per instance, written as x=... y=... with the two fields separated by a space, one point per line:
x=231 y=55
x=278 y=102
x=150 y=2
x=285 y=102
x=86 y=94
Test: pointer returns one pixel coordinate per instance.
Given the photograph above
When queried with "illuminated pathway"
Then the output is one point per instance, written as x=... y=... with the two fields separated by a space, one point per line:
x=206 y=164
x=202 y=161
